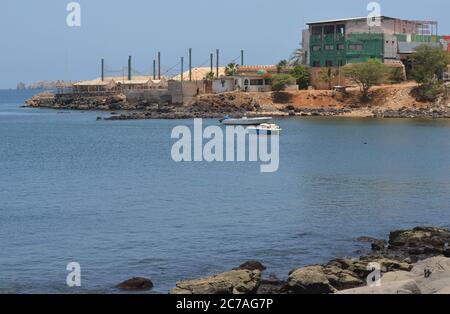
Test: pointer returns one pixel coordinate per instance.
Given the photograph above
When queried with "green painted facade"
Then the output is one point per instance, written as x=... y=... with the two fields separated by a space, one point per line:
x=356 y=48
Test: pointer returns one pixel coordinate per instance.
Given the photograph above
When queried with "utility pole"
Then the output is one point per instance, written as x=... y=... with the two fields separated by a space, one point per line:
x=159 y=65
x=103 y=69
x=154 y=69
x=190 y=64
x=242 y=57
x=212 y=62
x=217 y=62
x=129 y=68
x=182 y=69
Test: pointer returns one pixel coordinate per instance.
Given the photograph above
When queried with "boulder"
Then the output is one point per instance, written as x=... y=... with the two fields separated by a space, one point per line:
x=397 y=287
x=400 y=275
x=425 y=238
x=432 y=265
x=309 y=280
x=136 y=284
x=342 y=279
x=439 y=281
x=232 y=282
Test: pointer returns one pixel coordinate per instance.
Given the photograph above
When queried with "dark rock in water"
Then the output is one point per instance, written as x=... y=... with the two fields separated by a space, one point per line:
x=421 y=241
x=99 y=118
x=136 y=284
x=377 y=245
x=252 y=265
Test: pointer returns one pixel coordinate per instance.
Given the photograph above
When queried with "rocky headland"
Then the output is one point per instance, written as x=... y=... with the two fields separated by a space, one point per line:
x=413 y=261
x=388 y=101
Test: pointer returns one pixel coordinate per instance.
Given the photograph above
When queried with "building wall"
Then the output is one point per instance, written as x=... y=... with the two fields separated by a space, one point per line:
x=184 y=91
x=153 y=95
x=223 y=85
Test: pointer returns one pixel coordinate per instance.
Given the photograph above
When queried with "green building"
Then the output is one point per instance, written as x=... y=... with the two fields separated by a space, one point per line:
x=335 y=43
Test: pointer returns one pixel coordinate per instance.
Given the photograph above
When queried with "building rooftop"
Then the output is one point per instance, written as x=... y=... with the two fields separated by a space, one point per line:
x=365 y=18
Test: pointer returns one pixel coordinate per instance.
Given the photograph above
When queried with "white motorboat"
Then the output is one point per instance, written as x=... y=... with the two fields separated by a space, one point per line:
x=264 y=129
x=245 y=121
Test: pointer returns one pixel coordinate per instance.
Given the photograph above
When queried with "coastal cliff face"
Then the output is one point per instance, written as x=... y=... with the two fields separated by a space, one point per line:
x=389 y=101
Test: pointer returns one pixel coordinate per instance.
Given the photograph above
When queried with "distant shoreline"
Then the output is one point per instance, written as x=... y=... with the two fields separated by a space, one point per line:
x=388 y=101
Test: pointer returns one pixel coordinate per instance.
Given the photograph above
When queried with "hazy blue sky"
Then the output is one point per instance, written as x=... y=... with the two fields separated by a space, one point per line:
x=36 y=43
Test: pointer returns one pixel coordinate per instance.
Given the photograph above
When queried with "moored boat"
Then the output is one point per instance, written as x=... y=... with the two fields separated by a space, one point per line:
x=264 y=129
x=245 y=121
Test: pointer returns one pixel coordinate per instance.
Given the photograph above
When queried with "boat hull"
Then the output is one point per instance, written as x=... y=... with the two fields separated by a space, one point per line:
x=263 y=132
x=250 y=121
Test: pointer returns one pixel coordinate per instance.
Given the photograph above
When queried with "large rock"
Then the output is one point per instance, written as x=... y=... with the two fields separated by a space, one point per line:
x=435 y=283
x=420 y=240
x=232 y=282
x=136 y=284
x=398 y=287
x=309 y=280
x=432 y=265
x=342 y=279
x=400 y=275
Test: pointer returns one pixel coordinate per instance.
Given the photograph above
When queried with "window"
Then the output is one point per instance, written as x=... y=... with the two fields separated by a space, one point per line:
x=355 y=47
x=268 y=82
x=340 y=29
x=329 y=47
x=340 y=47
x=328 y=30
x=328 y=63
x=257 y=82
x=246 y=82
x=317 y=31
x=341 y=63
x=316 y=64
x=317 y=48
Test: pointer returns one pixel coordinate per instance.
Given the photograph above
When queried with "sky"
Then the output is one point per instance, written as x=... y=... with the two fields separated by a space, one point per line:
x=36 y=43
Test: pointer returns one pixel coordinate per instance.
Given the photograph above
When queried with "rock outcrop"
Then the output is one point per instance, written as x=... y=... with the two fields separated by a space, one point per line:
x=411 y=262
x=232 y=282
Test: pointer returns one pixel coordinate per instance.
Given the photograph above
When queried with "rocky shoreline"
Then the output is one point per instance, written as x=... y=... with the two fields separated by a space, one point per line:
x=302 y=103
x=413 y=261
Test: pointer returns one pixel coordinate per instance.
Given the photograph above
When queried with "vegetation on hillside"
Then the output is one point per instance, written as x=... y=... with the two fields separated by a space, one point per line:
x=301 y=75
x=365 y=75
x=281 y=81
x=428 y=65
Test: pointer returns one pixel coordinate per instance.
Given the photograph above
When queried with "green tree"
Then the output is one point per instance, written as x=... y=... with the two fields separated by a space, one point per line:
x=231 y=69
x=282 y=65
x=428 y=66
x=281 y=81
x=366 y=75
x=328 y=75
x=210 y=76
x=301 y=75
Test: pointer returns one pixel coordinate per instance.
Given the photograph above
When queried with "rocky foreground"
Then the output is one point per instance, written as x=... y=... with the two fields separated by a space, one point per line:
x=413 y=261
x=389 y=101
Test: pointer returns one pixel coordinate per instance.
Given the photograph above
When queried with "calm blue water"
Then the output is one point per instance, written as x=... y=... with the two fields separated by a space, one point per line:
x=108 y=195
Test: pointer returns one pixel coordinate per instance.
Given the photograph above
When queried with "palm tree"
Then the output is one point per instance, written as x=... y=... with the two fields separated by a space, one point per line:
x=231 y=69
x=327 y=75
x=297 y=57
x=282 y=65
x=210 y=76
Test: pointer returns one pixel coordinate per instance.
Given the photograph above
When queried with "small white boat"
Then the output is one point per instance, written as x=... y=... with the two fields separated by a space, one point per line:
x=264 y=129
x=245 y=121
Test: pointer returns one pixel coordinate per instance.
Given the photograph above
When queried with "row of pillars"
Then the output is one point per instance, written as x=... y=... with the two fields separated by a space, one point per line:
x=158 y=62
